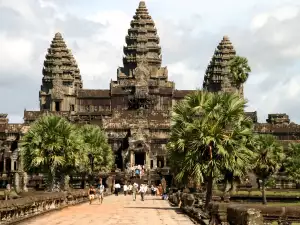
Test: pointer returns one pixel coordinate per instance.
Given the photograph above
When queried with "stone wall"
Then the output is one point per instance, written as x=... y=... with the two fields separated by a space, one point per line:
x=243 y=214
x=228 y=213
x=15 y=210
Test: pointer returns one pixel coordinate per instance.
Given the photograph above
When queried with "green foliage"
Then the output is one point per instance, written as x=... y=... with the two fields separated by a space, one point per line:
x=292 y=161
x=204 y=118
x=269 y=156
x=55 y=147
x=239 y=70
x=96 y=144
x=49 y=145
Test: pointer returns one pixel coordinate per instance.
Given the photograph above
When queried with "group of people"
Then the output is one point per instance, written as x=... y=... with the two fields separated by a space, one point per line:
x=138 y=170
x=96 y=193
x=132 y=189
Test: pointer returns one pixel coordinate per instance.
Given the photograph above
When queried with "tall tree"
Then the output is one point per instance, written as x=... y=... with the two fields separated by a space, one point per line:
x=292 y=162
x=96 y=148
x=50 y=147
x=268 y=160
x=239 y=70
x=209 y=135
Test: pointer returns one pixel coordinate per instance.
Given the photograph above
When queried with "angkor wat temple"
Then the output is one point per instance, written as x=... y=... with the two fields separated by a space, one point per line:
x=135 y=109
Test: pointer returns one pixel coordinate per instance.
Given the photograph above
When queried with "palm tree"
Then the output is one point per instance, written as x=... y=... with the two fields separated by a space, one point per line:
x=97 y=147
x=239 y=70
x=209 y=135
x=292 y=162
x=50 y=147
x=268 y=160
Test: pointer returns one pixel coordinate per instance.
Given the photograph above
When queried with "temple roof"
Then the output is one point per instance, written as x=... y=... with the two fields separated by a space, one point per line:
x=217 y=68
x=60 y=63
x=90 y=93
x=142 y=42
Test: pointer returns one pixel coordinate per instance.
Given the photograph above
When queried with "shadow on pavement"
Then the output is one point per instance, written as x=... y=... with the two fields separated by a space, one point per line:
x=177 y=210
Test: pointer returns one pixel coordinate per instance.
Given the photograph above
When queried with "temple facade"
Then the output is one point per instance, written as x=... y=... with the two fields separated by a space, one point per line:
x=136 y=109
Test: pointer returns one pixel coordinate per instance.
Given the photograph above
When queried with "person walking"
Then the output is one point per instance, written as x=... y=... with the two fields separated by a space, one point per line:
x=125 y=189
x=117 y=189
x=101 y=192
x=143 y=191
x=91 y=193
x=130 y=189
x=134 y=190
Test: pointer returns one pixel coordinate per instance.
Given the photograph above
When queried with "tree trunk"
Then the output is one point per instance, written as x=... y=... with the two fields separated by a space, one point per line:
x=209 y=190
x=264 y=198
x=51 y=181
x=83 y=181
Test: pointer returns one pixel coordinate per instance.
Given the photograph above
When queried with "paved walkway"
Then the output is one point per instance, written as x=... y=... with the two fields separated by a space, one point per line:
x=119 y=210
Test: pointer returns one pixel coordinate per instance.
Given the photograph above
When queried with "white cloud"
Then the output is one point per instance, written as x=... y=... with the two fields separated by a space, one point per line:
x=262 y=30
x=281 y=14
x=15 y=53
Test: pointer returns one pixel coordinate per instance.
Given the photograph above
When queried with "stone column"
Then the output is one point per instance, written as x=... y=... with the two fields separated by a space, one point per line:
x=148 y=160
x=132 y=158
x=17 y=182
x=12 y=164
x=24 y=183
x=4 y=165
x=154 y=162
x=165 y=161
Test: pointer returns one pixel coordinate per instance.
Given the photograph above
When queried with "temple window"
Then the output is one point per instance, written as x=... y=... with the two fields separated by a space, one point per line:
x=57 y=106
x=160 y=161
x=72 y=108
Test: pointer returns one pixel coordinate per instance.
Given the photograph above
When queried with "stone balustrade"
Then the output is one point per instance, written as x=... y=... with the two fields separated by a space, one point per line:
x=225 y=213
x=15 y=210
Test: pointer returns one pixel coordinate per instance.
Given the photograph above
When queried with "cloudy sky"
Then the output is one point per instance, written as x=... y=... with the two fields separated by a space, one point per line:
x=265 y=31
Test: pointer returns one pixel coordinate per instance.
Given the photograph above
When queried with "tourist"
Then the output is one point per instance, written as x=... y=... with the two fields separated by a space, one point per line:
x=117 y=189
x=155 y=191
x=143 y=190
x=130 y=189
x=134 y=190
x=125 y=189
x=91 y=193
x=137 y=171
x=152 y=190
x=101 y=192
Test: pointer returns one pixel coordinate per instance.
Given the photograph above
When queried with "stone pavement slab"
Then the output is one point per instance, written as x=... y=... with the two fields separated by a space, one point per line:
x=116 y=210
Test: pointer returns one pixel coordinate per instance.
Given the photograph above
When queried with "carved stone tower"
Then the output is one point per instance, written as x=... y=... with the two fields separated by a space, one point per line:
x=216 y=77
x=61 y=78
x=142 y=43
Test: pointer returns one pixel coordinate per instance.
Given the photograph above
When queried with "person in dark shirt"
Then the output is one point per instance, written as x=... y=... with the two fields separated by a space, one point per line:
x=91 y=193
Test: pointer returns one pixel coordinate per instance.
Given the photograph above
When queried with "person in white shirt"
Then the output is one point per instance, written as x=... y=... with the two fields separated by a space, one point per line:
x=143 y=191
x=117 y=189
x=129 y=189
x=100 y=192
x=125 y=189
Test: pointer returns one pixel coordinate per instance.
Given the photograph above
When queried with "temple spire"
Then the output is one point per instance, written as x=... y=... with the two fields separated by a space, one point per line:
x=60 y=63
x=142 y=42
x=61 y=77
x=216 y=77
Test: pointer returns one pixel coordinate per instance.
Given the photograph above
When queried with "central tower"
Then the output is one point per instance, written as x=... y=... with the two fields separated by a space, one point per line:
x=142 y=43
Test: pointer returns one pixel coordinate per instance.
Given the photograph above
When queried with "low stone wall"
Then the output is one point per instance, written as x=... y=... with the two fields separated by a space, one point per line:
x=239 y=214
x=233 y=213
x=16 y=210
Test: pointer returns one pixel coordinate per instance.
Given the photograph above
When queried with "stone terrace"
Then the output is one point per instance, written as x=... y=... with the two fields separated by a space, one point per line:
x=119 y=210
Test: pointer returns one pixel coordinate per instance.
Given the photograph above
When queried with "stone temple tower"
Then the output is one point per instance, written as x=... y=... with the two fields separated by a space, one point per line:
x=142 y=43
x=61 y=78
x=216 y=77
